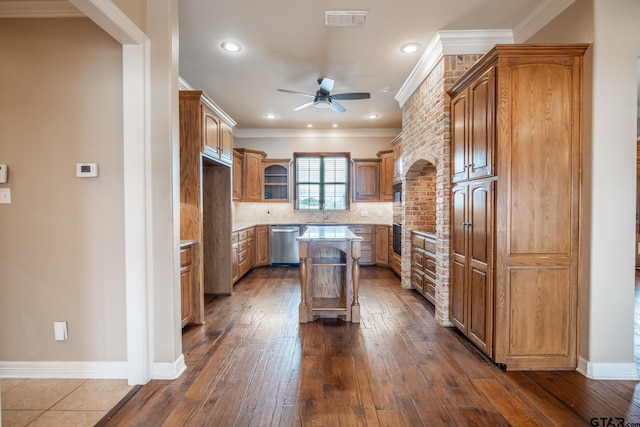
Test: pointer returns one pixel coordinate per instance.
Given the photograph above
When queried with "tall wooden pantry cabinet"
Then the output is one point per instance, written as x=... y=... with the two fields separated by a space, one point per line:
x=516 y=153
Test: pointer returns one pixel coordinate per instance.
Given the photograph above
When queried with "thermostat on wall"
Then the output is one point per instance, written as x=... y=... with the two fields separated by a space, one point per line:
x=86 y=170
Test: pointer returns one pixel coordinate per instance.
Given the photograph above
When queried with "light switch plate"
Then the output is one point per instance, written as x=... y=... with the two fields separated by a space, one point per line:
x=5 y=196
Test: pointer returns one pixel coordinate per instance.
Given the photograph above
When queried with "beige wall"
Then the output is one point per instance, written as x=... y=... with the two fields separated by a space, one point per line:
x=609 y=171
x=62 y=256
x=283 y=148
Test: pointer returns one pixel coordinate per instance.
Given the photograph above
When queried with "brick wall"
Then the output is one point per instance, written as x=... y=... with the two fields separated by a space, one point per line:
x=426 y=157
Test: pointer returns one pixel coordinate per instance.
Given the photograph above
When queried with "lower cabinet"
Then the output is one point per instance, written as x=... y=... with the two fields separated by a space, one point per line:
x=262 y=245
x=186 y=283
x=367 y=244
x=382 y=245
x=235 y=272
x=471 y=283
x=423 y=264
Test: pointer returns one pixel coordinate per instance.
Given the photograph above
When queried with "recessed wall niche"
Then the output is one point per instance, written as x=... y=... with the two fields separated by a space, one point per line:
x=420 y=197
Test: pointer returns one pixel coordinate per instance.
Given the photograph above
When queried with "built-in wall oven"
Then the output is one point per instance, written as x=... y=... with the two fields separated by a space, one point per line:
x=397 y=238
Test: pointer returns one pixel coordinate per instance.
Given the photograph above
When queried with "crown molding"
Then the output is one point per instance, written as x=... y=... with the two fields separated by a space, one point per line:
x=184 y=85
x=450 y=43
x=541 y=16
x=316 y=133
x=38 y=9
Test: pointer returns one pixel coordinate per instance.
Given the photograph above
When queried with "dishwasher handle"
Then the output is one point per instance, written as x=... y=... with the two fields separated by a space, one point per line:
x=285 y=230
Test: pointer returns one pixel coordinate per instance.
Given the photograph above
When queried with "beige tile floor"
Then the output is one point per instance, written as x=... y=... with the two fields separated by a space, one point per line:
x=58 y=402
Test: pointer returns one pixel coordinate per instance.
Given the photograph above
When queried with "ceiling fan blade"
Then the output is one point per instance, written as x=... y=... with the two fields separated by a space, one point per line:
x=297 y=93
x=326 y=84
x=337 y=107
x=305 y=105
x=354 y=95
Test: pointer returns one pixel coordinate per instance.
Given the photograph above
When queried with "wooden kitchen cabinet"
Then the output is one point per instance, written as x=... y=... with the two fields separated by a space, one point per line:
x=252 y=174
x=205 y=194
x=276 y=180
x=471 y=285
x=225 y=143
x=397 y=158
x=235 y=270
x=423 y=264
x=368 y=242
x=387 y=165
x=237 y=176
x=186 y=284
x=366 y=180
x=516 y=117
x=251 y=248
x=382 y=245
x=262 y=245
x=472 y=114
x=202 y=124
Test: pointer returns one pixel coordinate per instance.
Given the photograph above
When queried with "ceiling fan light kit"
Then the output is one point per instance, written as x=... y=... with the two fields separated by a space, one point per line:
x=324 y=99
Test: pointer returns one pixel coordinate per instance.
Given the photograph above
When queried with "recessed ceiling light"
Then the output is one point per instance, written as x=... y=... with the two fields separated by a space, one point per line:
x=309 y=125
x=232 y=47
x=410 y=48
x=335 y=125
x=270 y=116
x=372 y=116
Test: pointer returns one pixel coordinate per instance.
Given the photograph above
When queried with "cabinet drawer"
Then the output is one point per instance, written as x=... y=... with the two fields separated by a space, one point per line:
x=186 y=256
x=430 y=244
x=417 y=241
x=242 y=246
x=417 y=258
x=242 y=256
x=234 y=238
x=417 y=279
x=361 y=229
x=250 y=233
x=242 y=235
x=429 y=264
x=429 y=287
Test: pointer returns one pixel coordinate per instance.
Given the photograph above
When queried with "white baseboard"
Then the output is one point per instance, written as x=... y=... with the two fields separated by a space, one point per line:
x=608 y=371
x=169 y=371
x=89 y=370
x=86 y=370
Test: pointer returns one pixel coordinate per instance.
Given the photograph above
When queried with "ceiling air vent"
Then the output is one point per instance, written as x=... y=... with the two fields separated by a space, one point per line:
x=345 y=18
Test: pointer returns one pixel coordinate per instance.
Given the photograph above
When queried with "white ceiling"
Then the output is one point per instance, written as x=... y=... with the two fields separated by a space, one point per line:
x=285 y=45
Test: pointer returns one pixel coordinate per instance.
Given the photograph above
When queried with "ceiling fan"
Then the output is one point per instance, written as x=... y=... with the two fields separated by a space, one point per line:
x=324 y=99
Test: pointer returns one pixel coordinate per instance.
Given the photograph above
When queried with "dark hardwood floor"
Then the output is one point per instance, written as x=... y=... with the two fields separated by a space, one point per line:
x=253 y=364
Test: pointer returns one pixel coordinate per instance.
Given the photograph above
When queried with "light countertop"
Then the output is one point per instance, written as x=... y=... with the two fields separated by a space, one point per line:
x=328 y=232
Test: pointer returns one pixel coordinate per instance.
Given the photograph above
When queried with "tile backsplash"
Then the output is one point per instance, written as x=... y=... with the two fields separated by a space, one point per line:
x=283 y=213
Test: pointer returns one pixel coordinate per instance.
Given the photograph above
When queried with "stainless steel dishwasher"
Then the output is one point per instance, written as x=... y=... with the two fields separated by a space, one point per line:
x=283 y=245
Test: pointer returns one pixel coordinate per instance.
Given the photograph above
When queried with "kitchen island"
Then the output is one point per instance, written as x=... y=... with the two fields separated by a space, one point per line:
x=329 y=274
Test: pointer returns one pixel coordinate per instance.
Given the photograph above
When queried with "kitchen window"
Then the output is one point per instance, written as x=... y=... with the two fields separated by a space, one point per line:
x=321 y=181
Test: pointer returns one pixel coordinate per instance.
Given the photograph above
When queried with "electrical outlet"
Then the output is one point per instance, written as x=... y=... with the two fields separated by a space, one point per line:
x=60 y=331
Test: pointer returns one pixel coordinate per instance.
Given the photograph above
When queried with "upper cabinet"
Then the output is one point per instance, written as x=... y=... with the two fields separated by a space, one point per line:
x=473 y=115
x=251 y=173
x=237 y=176
x=225 y=145
x=397 y=158
x=276 y=180
x=387 y=167
x=202 y=127
x=366 y=180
